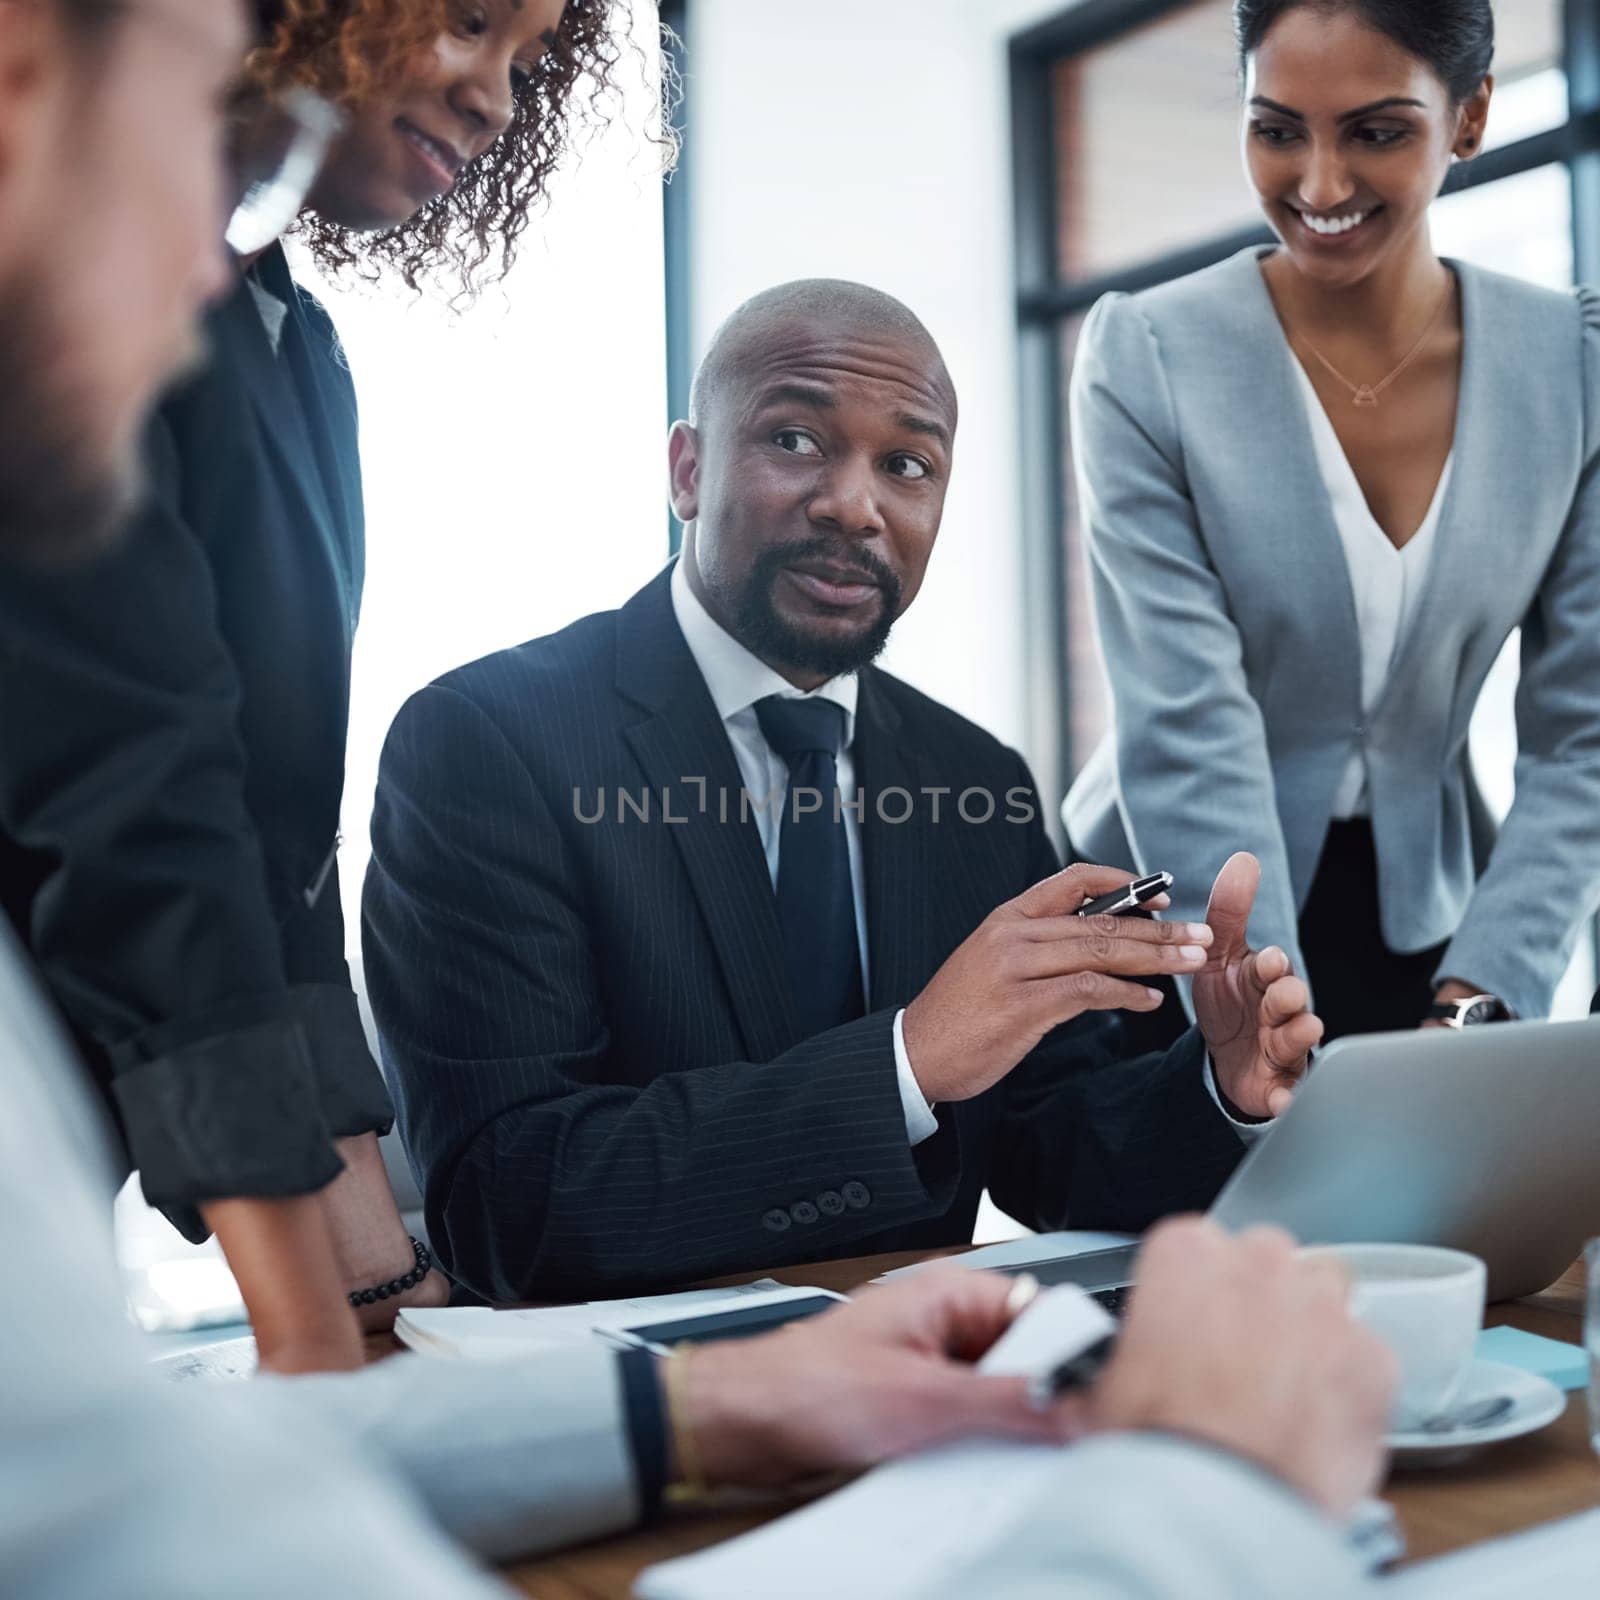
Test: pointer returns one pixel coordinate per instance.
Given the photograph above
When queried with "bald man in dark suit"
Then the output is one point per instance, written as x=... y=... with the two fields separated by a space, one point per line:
x=697 y=943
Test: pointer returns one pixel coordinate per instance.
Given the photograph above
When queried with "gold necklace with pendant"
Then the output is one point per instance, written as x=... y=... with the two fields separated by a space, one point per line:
x=1368 y=394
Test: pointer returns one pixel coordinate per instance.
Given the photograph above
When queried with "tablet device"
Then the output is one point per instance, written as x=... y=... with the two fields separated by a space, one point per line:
x=736 y=1322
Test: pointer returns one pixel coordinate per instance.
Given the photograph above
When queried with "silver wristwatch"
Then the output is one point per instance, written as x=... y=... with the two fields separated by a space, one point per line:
x=1468 y=1013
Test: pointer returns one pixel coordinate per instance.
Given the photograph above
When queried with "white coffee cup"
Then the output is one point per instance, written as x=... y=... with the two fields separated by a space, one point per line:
x=1426 y=1303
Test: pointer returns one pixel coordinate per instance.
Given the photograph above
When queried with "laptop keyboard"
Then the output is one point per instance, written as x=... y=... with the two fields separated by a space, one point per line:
x=1113 y=1300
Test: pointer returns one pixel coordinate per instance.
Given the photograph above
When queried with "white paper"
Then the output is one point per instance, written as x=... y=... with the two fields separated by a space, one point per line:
x=894 y=1533
x=886 y=1536
x=890 y=1533
x=1023 y=1252
x=1058 y=1325
x=482 y=1333
x=1561 y=1558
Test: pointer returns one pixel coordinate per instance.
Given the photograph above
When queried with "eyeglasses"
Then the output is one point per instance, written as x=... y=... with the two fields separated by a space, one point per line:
x=276 y=155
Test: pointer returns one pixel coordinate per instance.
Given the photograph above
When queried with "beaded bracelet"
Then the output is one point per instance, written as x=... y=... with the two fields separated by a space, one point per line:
x=384 y=1291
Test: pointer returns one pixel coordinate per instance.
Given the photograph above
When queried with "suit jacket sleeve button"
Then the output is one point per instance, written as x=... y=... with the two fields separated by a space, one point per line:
x=804 y=1212
x=830 y=1203
x=776 y=1221
x=856 y=1195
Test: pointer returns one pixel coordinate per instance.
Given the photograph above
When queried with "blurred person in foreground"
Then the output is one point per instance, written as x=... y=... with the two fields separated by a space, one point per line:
x=173 y=714
x=117 y=1482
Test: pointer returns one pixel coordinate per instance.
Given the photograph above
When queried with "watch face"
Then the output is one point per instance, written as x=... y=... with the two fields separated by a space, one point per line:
x=1483 y=1009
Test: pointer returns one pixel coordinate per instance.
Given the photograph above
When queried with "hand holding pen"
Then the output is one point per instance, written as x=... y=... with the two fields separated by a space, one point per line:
x=1245 y=1345
x=1073 y=1375
x=1143 y=894
x=1035 y=963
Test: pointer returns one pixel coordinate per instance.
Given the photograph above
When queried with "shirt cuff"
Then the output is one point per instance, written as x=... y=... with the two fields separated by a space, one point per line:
x=233 y=1116
x=921 y=1123
x=1249 y=1132
x=646 y=1412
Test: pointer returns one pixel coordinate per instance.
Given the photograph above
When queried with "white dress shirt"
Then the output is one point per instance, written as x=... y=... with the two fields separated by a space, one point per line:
x=737 y=679
x=1387 y=583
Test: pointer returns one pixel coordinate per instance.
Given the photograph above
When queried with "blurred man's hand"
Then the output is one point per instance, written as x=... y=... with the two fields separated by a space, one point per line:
x=889 y=1373
x=1247 y=1345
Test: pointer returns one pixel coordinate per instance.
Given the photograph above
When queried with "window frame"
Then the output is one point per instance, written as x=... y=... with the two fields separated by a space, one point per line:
x=677 y=272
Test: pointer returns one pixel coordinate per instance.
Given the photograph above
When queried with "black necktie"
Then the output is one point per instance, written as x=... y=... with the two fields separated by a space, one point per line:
x=816 y=908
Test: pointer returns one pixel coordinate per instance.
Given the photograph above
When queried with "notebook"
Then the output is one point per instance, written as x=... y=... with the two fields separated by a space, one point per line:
x=481 y=1333
x=1565 y=1365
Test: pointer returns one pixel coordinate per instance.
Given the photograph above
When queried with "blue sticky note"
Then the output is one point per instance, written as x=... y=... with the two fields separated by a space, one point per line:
x=1565 y=1365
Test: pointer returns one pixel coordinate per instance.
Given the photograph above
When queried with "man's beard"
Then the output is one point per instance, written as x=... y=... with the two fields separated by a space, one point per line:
x=59 y=506
x=767 y=633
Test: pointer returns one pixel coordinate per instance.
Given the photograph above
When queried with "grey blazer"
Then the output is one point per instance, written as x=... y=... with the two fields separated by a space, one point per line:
x=1230 y=634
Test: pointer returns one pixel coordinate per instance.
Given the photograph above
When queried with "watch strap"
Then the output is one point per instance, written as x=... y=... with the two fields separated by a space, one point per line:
x=1456 y=1012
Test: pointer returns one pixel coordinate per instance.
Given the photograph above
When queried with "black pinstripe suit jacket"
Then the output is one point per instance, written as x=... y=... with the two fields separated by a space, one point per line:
x=588 y=1026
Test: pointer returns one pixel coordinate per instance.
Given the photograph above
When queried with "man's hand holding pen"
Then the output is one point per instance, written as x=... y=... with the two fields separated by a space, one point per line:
x=1248 y=1345
x=1031 y=965
x=1037 y=962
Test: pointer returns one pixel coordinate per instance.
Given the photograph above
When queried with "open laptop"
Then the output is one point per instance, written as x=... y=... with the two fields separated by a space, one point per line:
x=1485 y=1139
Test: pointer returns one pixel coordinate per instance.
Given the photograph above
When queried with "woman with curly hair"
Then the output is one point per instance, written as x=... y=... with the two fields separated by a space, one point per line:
x=174 y=716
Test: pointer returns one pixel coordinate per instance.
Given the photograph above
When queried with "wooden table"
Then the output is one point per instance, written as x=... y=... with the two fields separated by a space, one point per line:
x=1517 y=1485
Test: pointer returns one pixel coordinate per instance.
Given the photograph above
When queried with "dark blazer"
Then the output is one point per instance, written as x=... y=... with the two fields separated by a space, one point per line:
x=588 y=1024
x=172 y=730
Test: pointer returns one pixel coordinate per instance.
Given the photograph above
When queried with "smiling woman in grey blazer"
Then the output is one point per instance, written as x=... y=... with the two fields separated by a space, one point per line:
x=1321 y=485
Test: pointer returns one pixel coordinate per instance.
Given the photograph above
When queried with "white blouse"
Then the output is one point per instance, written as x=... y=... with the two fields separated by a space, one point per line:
x=1387 y=583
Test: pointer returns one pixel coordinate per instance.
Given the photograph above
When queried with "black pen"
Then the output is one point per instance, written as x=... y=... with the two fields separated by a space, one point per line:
x=1075 y=1373
x=1131 y=897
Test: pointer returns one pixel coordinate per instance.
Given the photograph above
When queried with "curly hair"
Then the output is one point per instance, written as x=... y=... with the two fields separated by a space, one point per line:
x=350 y=50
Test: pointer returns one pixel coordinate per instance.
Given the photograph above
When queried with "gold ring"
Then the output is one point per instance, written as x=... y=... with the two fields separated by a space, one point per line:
x=1024 y=1291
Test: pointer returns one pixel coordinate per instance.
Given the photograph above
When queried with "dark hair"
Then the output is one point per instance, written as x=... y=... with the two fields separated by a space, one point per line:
x=1454 y=37
x=268 y=14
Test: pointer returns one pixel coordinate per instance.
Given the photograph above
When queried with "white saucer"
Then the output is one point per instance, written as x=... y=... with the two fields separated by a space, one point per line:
x=1536 y=1403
